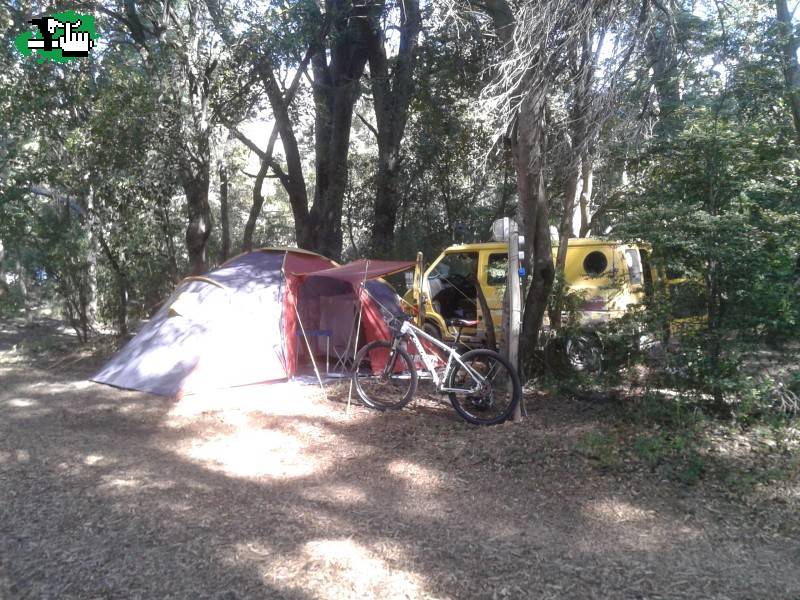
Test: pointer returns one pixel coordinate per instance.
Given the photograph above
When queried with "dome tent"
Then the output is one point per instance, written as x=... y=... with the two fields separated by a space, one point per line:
x=242 y=322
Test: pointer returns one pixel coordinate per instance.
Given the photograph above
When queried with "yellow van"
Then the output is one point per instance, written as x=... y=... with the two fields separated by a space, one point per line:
x=608 y=276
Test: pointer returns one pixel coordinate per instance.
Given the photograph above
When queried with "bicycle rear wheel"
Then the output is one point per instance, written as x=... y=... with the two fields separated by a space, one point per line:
x=393 y=386
x=495 y=399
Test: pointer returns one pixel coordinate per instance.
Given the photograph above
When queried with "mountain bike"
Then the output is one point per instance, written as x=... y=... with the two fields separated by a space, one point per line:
x=483 y=387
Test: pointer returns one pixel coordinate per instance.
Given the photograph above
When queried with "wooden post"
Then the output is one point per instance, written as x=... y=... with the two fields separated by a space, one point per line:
x=514 y=305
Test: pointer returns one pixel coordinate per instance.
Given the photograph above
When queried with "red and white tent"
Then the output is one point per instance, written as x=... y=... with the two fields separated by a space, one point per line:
x=242 y=322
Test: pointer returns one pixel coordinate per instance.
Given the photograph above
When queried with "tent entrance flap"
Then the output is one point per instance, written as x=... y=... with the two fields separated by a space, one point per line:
x=346 y=307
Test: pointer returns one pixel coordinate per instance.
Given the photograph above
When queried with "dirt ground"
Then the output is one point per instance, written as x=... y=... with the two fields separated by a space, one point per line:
x=277 y=492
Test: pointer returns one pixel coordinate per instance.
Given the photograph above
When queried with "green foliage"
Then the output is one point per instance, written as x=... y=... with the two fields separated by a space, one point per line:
x=600 y=447
x=717 y=199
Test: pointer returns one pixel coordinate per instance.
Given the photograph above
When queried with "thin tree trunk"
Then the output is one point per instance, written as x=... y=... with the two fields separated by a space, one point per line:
x=255 y=207
x=3 y=284
x=91 y=260
x=488 y=320
x=564 y=235
x=258 y=197
x=224 y=210
x=791 y=69
x=121 y=280
x=587 y=175
x=172 y=255
x=23 y=289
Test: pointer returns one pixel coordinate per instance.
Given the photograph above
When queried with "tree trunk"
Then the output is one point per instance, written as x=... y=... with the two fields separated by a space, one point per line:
x=587 y=175
x=580 y=114
x=199 y=215
x=292 y=179
x=661 y=52
x=337 y=70
x=121 y=281
x=3 y=284
x=224 y=213
x=528 y=147
x=166 y=229
x=91 y=260
x=488 y=320
x=336 y=89
x=791 y=69
x=23 y=289
x=391 y=92
x=564 y=235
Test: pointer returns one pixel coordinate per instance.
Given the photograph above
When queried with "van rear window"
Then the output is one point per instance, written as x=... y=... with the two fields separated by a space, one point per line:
x=595 y=263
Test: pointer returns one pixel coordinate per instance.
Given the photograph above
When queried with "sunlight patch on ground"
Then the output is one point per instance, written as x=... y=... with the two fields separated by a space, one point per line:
x=336 y=493
x=52 y=388
x=414 y=474
x=271 y=430
x=93 y=459
x=288 y=398
x=82 y=384
x=617 y=511
x=254 y=453
x=335 y=569
x=634 y=527
x=22 y=402
x=346 y=569
x=119 y=482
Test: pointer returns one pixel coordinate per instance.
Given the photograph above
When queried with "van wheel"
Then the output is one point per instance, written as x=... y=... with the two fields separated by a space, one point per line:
x=432 y=330
x=584 y=353
x=574 y=353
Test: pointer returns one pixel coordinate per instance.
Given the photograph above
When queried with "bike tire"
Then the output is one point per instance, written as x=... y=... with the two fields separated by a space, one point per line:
x=473 y=408
x=405 y=382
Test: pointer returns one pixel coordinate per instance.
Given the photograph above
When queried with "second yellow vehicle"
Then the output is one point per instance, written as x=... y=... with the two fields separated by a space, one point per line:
x=607 y=277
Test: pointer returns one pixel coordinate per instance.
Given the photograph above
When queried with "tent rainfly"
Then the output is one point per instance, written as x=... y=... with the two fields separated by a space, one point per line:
x=239 y=324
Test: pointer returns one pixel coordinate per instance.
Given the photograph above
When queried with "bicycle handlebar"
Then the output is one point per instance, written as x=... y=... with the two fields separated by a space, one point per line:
x=397 y=322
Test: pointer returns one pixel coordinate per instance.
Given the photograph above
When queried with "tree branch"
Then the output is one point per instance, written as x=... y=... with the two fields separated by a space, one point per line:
x=369 y=125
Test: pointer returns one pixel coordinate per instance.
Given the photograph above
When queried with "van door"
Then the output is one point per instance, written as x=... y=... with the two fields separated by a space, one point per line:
x=451 y=285
x=493 y=279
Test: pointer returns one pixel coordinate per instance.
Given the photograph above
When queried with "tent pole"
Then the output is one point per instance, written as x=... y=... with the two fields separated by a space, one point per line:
x=310 y=353
x=358 y=331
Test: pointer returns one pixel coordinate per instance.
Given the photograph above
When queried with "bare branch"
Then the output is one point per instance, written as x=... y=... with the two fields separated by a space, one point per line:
x=369 y=125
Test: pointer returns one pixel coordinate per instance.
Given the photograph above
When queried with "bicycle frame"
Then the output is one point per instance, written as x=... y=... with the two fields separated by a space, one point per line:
x=429 y=361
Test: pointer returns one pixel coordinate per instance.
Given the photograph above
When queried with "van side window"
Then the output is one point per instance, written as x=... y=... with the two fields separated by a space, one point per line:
x=497 y=269
x=634 y=265
x=595 y=263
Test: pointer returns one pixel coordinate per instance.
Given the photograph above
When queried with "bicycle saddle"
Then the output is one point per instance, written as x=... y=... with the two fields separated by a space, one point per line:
x=461 y=323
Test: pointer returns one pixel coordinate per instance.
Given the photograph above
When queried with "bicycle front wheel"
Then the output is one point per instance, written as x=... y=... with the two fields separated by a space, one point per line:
x=493 y=399
x=384 y=377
